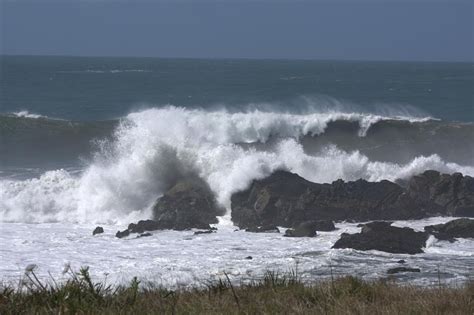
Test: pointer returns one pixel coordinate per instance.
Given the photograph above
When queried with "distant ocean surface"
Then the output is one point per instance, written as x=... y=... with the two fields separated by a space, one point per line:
x=87 y=141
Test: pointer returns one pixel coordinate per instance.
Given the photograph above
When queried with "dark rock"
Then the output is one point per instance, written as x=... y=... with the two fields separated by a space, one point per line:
x=188 y=204
x=143 y=225
x=204 y=232
x=249 y=257
x=98 y=230
x=263 y=229
x=286 y=199
x=391 y=271
x=459 y=228
x=401 y=261
x=384 y=237
x=121 y=234
x=305 y=229
x=144 y=235
x=324 y=225
x=453 y=194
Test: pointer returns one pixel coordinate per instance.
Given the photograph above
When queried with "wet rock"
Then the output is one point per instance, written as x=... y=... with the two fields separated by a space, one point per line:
x=188 y=204
x=143 y=225
x=305 y=229
x=453 y=194
x=204 y=232
x=459 y=228
x=263 y=229
x=286 y=199
x=249 y=257
x=392 y=271
x=121 y=234
x=324 y=225
x=98 y=230
x=401 y=261
x=384 y=237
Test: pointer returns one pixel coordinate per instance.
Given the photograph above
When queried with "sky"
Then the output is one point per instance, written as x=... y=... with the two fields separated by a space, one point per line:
x=418 y=30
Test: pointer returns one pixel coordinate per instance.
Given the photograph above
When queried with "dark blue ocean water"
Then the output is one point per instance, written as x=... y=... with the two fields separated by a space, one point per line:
x=103 y=88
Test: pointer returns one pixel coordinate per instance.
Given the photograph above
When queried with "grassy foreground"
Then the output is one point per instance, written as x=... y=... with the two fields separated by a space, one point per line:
x=274 y=294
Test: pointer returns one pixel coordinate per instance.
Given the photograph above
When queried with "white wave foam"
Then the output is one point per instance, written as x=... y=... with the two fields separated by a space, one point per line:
x=27 y=114
x=155 y=147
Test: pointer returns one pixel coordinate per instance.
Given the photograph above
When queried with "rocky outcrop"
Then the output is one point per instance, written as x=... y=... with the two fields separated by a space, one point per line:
x=188 y=204
x=459 y=228
x=454 y=194
x=286 y=199
x=384 y=237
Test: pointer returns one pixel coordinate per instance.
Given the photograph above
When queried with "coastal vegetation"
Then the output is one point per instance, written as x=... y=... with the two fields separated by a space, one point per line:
x=272 y=294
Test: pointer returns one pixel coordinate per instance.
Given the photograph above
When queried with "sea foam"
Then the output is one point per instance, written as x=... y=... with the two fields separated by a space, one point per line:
x=153 y=148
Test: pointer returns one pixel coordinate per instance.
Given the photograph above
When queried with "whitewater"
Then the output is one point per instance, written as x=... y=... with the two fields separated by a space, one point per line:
x=150 y=150
x=47 y=220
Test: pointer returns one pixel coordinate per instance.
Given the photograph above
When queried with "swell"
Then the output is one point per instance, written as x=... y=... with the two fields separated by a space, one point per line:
x=31 y=140
x=149 y=151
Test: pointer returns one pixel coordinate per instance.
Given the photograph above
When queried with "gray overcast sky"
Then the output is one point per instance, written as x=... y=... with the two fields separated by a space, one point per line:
x=367 y=30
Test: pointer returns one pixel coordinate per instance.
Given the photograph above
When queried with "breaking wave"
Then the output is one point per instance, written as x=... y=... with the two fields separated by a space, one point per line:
x=150 y=150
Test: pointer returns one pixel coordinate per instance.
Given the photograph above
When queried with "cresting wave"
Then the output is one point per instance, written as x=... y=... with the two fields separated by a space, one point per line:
x=153 y=148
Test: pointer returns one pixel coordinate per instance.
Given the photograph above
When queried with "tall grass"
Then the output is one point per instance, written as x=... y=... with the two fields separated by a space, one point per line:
x=274 y=294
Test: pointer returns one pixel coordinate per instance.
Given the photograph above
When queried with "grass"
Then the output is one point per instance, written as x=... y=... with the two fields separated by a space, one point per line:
x=274 y=294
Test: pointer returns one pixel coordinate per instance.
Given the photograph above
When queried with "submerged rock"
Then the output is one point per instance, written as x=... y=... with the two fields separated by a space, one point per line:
x=286 y=199
x=384 y=237
x=263 y=229
x=98 y=230
x=144 y=235
x=305 y=229
x=392 y=271
x=459 y=228
x=204 y=232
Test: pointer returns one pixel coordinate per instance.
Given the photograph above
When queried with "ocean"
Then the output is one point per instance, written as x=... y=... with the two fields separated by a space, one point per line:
x=88 y=141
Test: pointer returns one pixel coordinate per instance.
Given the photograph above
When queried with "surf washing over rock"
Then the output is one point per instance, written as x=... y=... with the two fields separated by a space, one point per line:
x=150 y=150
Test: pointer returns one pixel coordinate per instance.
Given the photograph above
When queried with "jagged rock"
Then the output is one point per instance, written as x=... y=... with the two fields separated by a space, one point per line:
x=286 y=199
x=454 y=194
x=459 y=228
x=121 y=234
x=188 y=204
x=392 y=271
x=384 y=237
x=263 y=229
x=98 y=230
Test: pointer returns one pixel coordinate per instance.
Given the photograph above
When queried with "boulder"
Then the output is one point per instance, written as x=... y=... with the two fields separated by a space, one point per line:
x=188 y=204
x=392 y=271
x=459 y=228
x=98 y=230
x=384 y=237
